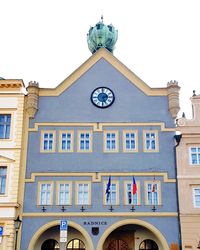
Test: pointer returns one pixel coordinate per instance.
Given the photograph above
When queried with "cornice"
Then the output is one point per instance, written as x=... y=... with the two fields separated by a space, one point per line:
x=98 y=127
x=103 y=214
x=97 y=177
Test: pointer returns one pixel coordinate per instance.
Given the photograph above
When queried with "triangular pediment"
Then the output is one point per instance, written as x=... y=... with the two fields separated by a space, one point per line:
x=106 y=55
x=4 y=159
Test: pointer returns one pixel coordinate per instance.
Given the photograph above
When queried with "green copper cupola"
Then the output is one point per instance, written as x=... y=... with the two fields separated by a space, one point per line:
x=102 y=36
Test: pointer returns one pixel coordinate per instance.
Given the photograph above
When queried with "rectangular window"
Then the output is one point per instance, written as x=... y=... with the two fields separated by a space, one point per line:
x=84 y=141
x=48 y=141
x=150 y=141
x=196 y=197
x=112 y=198
x=131 y=199
x=66 y=141
x=130 y=141
x=64 y=193
x=5 y=122
x=195 y=155
x=83 y=193
x=46 y=192
x=153 y=193
x=3 y=175
x=110 y=141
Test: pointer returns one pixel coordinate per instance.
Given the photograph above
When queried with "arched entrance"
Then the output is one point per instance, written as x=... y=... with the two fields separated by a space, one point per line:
x=49 y=234
x=137 y=234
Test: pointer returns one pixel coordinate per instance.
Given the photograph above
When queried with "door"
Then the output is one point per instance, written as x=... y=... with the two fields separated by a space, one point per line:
x=118 y=245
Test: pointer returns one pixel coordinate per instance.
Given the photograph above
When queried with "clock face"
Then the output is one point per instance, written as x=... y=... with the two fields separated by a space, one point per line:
x=102 y=97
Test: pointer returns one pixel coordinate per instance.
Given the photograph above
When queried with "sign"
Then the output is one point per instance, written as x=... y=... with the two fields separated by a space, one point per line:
x=63 y=231
x=63 y=240
x=63 y=225
x=1 y=231
x=63 y=234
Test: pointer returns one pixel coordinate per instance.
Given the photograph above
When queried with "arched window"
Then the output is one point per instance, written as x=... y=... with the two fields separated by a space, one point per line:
x=148 y=245
x=50 y=245
x=75 y=244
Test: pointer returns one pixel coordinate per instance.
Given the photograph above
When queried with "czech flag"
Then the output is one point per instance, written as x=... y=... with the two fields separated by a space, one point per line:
x=134 y=186
x=153 y=188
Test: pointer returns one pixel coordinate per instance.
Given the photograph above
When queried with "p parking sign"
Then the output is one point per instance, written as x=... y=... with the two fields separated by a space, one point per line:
x=63 y=225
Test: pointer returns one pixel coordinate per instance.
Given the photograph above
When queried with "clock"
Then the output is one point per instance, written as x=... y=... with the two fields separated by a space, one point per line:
x=102 y=97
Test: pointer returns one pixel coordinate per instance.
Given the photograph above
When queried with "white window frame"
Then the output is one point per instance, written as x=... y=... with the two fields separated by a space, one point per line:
x=42 y=141
x=47 y=202
x=58 y=193
x=125 y=139
x=83 y=193
x=195 y=153
x=134 y=197
x=85 y=141
x=148 y=192
x=113 y=193
x=68 y=141
x=115 y=139
x=151 y=140
x=194 y=196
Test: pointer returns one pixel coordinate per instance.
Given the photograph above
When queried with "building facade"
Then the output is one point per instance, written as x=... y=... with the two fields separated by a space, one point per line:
x=88 y=142
x=188 y=170
x=11 y=122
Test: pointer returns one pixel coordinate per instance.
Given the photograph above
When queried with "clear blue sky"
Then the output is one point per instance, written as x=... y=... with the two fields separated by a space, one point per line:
x=159 y=40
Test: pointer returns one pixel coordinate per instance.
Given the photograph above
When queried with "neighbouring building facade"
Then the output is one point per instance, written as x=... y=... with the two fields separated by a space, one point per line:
x=11 y=122
x=188 y=174
x=85 y=144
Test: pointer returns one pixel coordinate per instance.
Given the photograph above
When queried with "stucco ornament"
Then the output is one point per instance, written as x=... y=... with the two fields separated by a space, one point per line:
x=32 y=98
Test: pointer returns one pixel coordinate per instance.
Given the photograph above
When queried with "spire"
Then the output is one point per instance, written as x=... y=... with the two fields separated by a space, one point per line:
x=102 y=35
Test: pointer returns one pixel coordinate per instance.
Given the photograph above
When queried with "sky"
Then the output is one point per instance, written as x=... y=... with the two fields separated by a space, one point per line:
x=46 y=40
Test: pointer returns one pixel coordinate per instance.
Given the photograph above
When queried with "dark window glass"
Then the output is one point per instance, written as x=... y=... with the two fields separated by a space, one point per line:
x=5 y=121
x=50 y=245
x=148 y=245
x=3 y=173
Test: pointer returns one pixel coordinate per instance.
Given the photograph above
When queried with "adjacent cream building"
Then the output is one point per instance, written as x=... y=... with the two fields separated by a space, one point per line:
x=188 y=173
x=11 y=121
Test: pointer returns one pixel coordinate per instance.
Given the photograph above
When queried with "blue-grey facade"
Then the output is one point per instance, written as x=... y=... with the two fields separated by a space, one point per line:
x=96 y=222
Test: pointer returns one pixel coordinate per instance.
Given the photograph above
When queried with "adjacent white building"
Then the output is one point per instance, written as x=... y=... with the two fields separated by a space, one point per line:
x=11 y=122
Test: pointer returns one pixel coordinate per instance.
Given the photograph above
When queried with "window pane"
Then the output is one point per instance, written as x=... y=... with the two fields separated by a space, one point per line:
x=45 y=197
x=83 y=194
x=195 y=155
x=5 y=121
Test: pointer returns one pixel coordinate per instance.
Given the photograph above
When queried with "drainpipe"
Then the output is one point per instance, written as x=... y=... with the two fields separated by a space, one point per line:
x=178 y=139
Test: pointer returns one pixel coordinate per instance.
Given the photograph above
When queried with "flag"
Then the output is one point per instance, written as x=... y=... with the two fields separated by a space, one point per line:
x=134 y=186
x=108 y=189
x=153 y=186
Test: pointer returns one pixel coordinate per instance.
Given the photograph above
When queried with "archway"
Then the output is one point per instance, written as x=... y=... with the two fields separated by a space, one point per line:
x=127 y=230
x=51 y=230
